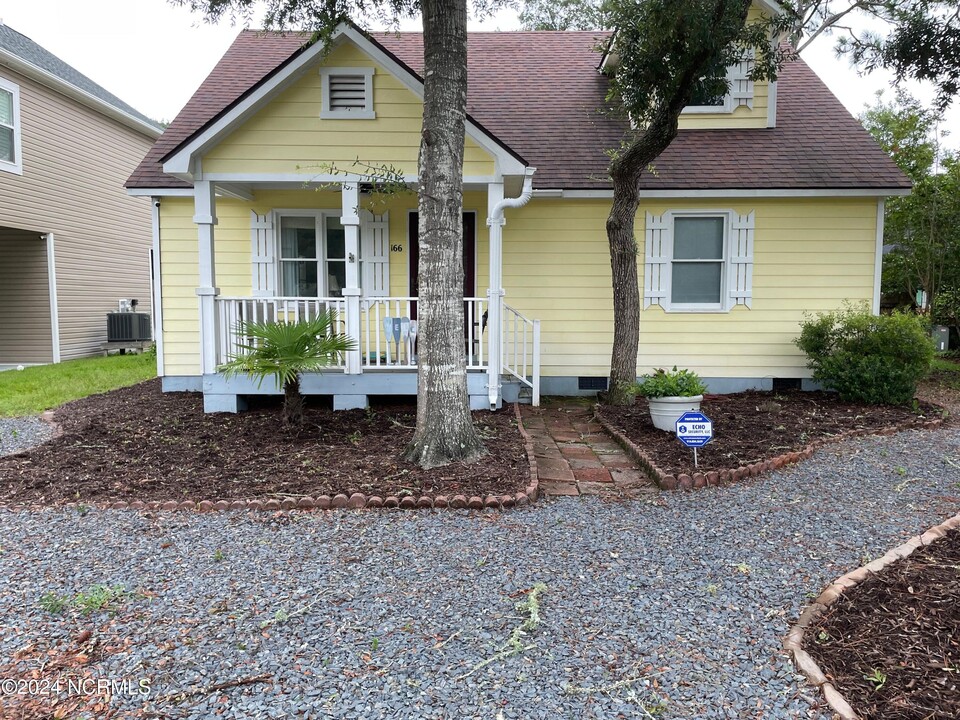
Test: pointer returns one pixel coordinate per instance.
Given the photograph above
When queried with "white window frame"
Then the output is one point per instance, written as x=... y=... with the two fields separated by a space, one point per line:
x=724 y=305
x=320 y=225
x=725 y=109
x=729 y=104
x=15 y=167
x=367 y=113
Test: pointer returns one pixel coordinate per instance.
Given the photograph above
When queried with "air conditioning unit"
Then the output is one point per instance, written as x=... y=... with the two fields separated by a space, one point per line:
x=128 y=327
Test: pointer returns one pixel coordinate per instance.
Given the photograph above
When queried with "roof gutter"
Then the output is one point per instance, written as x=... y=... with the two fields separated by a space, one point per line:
x=44 y=77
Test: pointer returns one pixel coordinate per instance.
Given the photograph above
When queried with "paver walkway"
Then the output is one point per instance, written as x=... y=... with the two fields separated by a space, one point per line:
x=575 y=456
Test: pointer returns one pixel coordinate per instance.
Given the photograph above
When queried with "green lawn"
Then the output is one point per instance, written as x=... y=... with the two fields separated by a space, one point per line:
x=35 y=389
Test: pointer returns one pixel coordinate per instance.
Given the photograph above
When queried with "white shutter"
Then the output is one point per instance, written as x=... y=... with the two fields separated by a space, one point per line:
x=657 y=261
x=374 y=253
x=741 y=86
x=262 y=256
x=741 y=260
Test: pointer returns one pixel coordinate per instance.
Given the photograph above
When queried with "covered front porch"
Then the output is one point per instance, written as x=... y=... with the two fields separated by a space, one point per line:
x=299 y=245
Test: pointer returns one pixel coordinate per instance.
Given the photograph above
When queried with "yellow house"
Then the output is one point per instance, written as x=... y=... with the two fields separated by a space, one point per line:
x=768 y=205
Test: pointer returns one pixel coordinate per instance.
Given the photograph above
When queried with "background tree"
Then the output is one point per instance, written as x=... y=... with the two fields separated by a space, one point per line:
x=916 y=39
x=565 y=15
x=923 y=228
x=445 y=430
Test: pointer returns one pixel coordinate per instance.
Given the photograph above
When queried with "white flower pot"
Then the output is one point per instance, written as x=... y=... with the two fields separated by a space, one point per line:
x=665 y=411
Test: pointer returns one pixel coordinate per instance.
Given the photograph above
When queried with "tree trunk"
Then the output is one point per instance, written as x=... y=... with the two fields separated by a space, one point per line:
x=626 y=294
x=445 y=430
x=292 y=404
x=625 y=171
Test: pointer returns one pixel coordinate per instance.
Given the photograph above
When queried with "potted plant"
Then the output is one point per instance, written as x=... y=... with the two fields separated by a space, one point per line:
x=671 y=394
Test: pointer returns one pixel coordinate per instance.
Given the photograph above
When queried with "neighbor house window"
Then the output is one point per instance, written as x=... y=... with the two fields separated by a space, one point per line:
x=10 y=127
x=347 y=93
x=697 y=268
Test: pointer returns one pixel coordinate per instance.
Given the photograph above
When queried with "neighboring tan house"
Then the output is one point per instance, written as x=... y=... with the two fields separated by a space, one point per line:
x=769 y=204
x=72 y=242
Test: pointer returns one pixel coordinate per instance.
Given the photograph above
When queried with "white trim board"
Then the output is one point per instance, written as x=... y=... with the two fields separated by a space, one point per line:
x=878 y=258
x=54 y=308
x=727 y=193
x=182 y=162
x=156 y=280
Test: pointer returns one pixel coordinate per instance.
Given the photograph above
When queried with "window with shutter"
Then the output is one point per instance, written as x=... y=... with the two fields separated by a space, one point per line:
x=302 y=253
x=699 y=261
x=347 y=93
x=725 y=97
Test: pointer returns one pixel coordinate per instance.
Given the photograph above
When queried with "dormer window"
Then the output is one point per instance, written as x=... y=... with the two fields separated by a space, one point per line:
x=10 y=127
x=347 y=93
x=715 y=97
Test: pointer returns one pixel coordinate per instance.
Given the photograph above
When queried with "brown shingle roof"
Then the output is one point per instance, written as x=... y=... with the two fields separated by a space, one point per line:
x=539 y=93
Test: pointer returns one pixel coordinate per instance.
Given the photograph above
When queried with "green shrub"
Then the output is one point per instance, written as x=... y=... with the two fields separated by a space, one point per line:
x=868 y=358
x=676 y=383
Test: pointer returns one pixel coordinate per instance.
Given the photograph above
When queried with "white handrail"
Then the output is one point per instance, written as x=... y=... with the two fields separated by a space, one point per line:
x=521 y=342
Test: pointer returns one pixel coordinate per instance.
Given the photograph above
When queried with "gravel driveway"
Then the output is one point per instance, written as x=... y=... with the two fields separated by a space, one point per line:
x=675 y=607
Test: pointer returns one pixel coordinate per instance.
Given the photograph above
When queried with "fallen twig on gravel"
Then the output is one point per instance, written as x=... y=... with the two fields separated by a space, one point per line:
x=215 y=687
x=514 y=645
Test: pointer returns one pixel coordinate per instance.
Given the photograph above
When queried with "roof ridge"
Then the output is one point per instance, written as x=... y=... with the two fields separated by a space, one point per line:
x=32 y=53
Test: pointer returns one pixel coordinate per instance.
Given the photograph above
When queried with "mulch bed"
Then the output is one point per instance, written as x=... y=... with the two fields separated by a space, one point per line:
x=753 y=426
x=901 y=628
x=138 y=443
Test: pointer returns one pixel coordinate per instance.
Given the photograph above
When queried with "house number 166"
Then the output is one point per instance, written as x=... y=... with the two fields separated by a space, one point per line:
x=396 y=248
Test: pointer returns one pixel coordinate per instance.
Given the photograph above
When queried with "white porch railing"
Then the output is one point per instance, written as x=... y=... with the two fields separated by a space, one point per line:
x=232 y=311
x=521 y=350
x=388 y=327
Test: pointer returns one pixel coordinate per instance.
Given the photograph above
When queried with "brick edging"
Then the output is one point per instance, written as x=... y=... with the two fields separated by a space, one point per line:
x=719 y=477
x=793 y=643
x=356 y=501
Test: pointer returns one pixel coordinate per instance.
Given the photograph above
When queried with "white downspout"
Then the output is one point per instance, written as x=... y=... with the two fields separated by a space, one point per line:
x=495 y=293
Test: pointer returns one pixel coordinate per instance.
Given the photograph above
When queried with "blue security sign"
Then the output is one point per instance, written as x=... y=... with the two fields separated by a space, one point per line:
x=694 y=429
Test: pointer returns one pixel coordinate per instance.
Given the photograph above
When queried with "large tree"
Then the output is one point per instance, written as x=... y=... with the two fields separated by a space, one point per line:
x=445 y=430
x=669 y=51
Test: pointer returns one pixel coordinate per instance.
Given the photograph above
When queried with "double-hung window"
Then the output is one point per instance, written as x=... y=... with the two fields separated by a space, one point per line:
x=303 y=253
x=699 y=258
x=313 y=260
x=10 y=127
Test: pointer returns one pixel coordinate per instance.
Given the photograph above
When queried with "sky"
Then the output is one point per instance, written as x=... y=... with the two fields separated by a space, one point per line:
x=153 y=55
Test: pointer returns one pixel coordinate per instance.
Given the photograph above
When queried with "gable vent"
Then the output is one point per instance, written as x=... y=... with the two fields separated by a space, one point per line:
x=348 y=92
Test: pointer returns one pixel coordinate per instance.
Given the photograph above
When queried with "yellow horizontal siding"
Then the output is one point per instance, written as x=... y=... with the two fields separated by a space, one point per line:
x=809 y=255
x=288 y=136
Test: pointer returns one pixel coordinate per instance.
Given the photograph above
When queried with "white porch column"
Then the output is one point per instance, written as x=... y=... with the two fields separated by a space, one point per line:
x=350 y=218
x=205 y=217
x=495 y=293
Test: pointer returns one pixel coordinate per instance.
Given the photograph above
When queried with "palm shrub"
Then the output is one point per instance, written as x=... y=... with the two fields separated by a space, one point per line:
x=868 y=358
x=284 y=350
